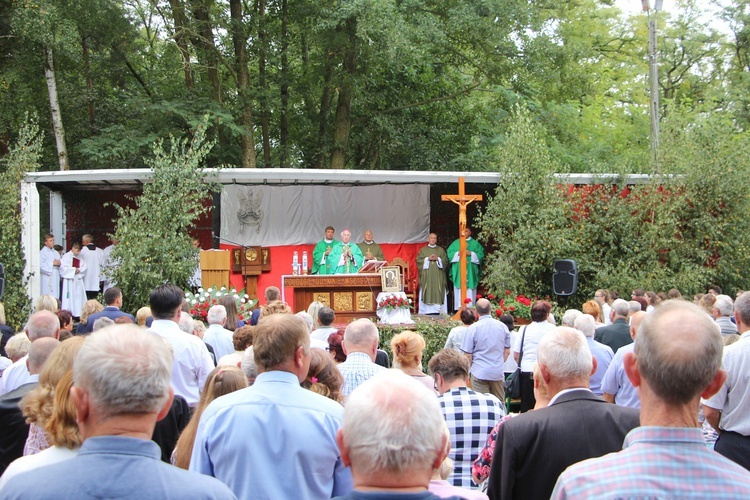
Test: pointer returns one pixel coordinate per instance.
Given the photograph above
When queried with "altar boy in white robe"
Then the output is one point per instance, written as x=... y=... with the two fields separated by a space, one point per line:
x=49 y=266
x=72 y=271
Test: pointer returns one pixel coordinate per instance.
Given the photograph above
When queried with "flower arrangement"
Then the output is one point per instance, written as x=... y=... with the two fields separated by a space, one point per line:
x=391 y=302
x=202 y=301
x=518 y=306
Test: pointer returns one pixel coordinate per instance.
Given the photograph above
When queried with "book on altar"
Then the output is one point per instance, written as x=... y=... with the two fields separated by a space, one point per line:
x=371 y=266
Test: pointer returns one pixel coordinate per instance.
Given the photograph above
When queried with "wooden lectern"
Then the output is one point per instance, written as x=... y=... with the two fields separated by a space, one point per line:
x=215 y=267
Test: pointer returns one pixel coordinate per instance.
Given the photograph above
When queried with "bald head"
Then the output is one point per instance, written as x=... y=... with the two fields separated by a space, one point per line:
x=678 y=351
x=39 y=352
x=483 y=307
x=43 y=324
x=361 y=336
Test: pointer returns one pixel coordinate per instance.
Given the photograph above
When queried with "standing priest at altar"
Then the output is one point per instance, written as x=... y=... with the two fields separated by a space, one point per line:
x=346 y=258
x=432 y=263
x=474 y=258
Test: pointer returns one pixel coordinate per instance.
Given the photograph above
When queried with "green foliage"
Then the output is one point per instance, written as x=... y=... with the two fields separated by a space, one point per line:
x=23 y=157
x=435 y=334
x=153 y=245
x=685 y=230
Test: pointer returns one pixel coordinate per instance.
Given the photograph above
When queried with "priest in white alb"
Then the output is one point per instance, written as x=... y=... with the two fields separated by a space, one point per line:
x=73 y=270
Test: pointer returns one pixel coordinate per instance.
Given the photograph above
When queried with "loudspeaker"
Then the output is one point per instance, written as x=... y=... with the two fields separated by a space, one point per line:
x=565 y=278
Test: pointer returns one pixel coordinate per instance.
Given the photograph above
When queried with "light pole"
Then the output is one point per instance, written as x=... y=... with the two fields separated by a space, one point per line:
x=653 y=74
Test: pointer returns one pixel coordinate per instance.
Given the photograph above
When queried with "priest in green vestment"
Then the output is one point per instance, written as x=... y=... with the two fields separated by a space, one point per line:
x=474 y=258
x=432 y=263
x=346 y=258
x=322 y=263
x=370 y=250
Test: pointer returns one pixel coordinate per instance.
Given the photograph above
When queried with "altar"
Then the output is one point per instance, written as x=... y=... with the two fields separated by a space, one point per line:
x=352 y=296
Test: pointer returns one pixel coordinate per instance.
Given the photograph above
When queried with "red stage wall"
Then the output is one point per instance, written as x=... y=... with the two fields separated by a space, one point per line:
x=281 y=263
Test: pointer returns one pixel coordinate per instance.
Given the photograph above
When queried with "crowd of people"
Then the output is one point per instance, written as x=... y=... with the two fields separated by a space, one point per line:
x=644 y=402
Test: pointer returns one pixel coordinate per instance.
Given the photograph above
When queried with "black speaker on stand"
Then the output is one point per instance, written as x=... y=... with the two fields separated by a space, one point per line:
x=565 y=277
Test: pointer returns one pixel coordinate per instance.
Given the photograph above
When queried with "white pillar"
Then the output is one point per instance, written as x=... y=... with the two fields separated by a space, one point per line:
x=57 y=218
x=30 y=237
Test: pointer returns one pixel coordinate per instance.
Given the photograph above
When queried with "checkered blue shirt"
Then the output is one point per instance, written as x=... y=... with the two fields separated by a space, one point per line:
x=657 y=462
x=470 y=417
x=357 y=369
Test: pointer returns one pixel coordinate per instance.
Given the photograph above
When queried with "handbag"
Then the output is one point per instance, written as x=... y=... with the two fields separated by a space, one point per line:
x=513 y=382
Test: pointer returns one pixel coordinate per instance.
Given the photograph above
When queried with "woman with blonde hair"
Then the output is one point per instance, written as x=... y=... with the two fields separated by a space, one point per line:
x=62 y=433
x=222 y=380
x=323 y=377
x=408 y=347
x=142 y=315
x=38 y=404
x=46 y=303
x=89 y=307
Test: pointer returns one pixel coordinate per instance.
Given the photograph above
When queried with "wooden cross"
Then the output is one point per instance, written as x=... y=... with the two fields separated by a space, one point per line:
x=462 y=199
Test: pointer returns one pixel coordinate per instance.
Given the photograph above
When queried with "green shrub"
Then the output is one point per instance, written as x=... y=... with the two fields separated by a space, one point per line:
x=435 y=333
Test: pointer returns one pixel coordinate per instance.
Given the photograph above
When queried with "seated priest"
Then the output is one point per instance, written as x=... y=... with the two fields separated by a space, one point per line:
x=346 y=258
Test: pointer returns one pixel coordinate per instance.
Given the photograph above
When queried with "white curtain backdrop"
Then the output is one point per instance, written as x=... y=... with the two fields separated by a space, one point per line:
x=298 y=215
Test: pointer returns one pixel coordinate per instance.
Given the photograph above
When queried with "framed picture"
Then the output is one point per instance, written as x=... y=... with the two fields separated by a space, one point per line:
x=390 y=278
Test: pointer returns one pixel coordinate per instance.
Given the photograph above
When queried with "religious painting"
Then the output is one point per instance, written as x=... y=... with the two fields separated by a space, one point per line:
x=390 y=278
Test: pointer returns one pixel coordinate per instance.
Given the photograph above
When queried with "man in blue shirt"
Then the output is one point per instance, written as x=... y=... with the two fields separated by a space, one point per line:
x=121 y=389
x=274 y=439
x=487 y=345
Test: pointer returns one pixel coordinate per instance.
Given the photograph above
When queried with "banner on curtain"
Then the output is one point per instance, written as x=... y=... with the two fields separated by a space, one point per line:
x=298 y=215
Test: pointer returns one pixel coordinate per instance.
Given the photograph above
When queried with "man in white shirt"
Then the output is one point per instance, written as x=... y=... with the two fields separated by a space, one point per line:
x=41 y=324
x=216 y=335
x=192 y=363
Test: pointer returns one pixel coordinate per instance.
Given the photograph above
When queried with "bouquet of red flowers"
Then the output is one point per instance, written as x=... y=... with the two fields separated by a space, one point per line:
x=391 y=302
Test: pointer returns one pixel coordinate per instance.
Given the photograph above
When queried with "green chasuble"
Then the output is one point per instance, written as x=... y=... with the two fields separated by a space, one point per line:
x=472 y=270
x=372 y=248
x=432 y=280
x=318 y=252
x=349 y=267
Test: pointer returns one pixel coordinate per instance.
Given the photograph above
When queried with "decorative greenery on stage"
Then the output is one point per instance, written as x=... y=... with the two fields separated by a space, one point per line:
x=686 y=228
x=435 y=333
x=23 y=157
x=152 y=241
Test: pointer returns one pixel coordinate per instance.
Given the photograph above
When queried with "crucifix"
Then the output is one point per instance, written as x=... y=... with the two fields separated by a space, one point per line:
x=462 y=199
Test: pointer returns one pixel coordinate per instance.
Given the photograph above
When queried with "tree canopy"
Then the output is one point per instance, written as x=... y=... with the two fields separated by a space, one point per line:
x=365 y=84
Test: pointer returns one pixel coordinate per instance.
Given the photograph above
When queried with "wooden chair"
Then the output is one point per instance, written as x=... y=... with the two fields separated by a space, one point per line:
x=407 y=282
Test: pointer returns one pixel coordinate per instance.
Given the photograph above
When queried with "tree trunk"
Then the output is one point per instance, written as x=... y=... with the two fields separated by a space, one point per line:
x=205 y=40
x=178 y=14
x=342 y=124
x=283 y=126
x=89 y=82
x=57 y=123
x=265 y=117
x=325 y=108
x=240 y=53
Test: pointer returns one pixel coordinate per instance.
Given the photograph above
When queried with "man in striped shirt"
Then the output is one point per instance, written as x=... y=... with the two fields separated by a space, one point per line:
x=677 y=359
